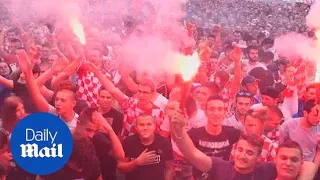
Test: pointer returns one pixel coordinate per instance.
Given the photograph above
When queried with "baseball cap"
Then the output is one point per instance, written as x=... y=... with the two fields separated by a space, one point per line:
x=249 y=80
x=271 y=92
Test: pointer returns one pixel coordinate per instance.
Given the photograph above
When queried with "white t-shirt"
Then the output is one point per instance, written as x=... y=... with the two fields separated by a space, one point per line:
x=71 y=124
x=198 y=120
x=161 y=101
x=249 y=66
x=233 y=122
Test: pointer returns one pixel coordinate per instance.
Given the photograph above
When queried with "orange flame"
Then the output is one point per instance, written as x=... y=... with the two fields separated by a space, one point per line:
x=318 y=34
x=188 y=65
x=77 y=29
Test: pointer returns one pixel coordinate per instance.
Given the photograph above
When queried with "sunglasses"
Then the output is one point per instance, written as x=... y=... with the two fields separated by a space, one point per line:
x=246 y=94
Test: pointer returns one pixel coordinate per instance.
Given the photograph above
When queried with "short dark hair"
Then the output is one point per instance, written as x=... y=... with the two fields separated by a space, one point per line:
x=36 y=69
x=191 y=106
x=85 y=116
x=276 y=110
x=72 y=93
x=252 y=47
x=102 y=88
x=311 y=86
x=291 y=144
x=213 y=87
x=309 y=105
x=16 y=41
x=144 y=115
x=212 y=98
x=263 y=116
x=237 y=31
x=254 y=140
x=267 y=57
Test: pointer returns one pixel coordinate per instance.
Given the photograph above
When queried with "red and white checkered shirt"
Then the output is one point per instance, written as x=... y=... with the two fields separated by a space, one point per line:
x=132 y=111
x=274 y=135
x=269 y=150
x=88 y=86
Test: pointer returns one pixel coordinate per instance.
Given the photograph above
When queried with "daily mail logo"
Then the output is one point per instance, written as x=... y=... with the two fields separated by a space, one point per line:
x=33 y=150
x=41 y=143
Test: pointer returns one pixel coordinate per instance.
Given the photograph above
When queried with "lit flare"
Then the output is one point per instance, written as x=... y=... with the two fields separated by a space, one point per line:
x=188 y=65
x=77 y=29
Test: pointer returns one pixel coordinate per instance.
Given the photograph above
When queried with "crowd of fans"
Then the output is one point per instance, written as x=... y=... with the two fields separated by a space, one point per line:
x=248 y=113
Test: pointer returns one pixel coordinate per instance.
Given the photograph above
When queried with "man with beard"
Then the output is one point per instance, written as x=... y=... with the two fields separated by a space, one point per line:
x=253 y=59
x=304 y=130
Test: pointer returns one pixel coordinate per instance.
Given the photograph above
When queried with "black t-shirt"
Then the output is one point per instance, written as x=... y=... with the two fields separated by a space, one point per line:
x=115 y=119
x=214 y=146
x=22 y=92
x=133 y=148
x=108 y=164
x=224 y=170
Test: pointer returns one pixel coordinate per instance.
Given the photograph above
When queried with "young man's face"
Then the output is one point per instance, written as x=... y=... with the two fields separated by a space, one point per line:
x=253 y=55
x=243 y=105
x=215 y=112
x=4 y=69
x=14 y=46
x=273 y=122
x=11 y=35
x=94 y=56
x=145 y=127
x=311 y=94
x=269 y=101
x=144 y=94
x=245 y=156
x=64 y=102
x=45 y=52
x=20 y=111
x=252 y=88
x=288 y=162
x=253 y=125
x=202 y=95
x=105 y=99
x=313 y=117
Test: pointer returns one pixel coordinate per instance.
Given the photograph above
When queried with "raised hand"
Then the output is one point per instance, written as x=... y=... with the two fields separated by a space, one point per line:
x=146 y=157
x=24 y=61
x=217 y=28
x=236 y=54
x=178 y=123
x=58 y=65
x=104 y=126
x=92 y=67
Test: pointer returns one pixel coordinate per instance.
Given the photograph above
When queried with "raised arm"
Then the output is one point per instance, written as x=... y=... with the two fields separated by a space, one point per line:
x=34 y=90
x=117 y=149
x=236 y=56
x=107 y=84
x=6 y=82
x=3 y=54
x=180 y=136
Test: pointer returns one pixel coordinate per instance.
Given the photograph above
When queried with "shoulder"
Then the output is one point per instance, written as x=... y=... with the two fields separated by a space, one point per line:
x=116 y=112
x=231 y=130
x=291 y=122
x=131 y=139
x=267 y=169
x=161 y=140
x=197 y=130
